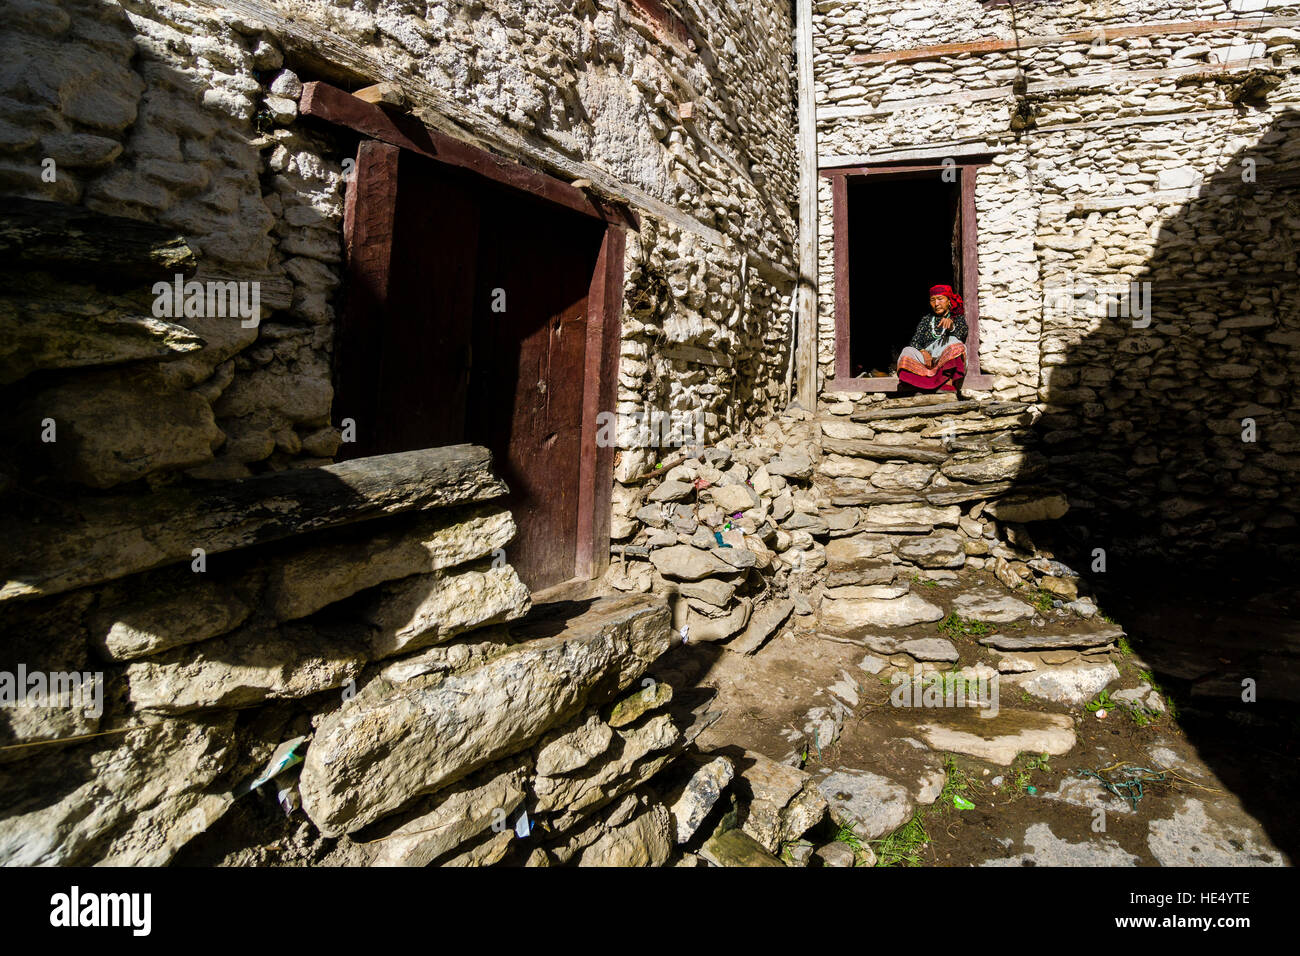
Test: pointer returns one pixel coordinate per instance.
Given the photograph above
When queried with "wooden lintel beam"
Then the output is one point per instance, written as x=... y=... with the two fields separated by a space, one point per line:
x=333 y=105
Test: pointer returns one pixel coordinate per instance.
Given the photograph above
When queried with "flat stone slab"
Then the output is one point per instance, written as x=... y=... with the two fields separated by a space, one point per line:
x=996 y=739
x=761 y=626
x=1045 y=848
x=737 y=848
x=930 y=649
x=392 y=743
x=844 y=616
x=909 y=518
x=684 y=563
x=1087 y=792
x=1029 y=507
x=1192 y=838
x=943 y=549
x=991 y=606
x=1071 y=684
x=881 y=411
x=1053 y=641
x=856 y=448
x=121 y=535
x=869 y=803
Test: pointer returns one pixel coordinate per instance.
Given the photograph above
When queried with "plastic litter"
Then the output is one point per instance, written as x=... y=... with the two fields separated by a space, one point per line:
x=1031 y=790
x=1130 y=788
x=1101 y=715
x=717 y=536
x=285 y=756
x=522 y=825
x=961 y=803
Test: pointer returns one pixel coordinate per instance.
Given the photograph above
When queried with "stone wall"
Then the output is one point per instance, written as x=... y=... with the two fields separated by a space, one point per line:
x=370 y=626
x=1166 y=159
x=173 y=520
x=184 y=115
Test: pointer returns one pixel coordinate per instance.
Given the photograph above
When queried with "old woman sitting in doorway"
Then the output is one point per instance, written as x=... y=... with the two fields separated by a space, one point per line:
x=936 y=357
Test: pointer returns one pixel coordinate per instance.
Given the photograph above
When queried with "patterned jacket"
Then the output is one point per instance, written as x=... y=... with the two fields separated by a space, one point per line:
x=927 y=333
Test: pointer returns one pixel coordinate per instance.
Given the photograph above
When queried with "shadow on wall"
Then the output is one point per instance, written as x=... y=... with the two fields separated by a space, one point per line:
x=1176 y=442
x=1171 y=423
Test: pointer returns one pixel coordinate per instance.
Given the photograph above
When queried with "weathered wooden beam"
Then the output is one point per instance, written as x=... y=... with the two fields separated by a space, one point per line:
x=387 y=94
x=437 y=107
x=1113 y=81
x=118 y=535
x=805 y=344
x=39 y=234
x=941 y=50
x=329 y=103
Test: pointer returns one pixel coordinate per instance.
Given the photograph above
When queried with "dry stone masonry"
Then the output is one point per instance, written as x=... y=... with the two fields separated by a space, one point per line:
x=280 y=653
x=1132 y=154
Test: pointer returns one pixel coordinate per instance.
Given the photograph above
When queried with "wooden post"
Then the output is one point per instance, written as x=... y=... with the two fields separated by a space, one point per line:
x=805 y=343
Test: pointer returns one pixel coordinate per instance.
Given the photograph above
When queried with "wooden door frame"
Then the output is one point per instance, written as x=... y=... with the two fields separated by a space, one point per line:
x=368 y=253
x=839 y=177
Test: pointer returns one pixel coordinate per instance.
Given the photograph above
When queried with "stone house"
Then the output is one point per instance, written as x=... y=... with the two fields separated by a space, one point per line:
x=246 y=486
x=1112 y=186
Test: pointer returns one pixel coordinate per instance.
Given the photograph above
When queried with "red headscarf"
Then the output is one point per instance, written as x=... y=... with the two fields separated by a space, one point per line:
x=954 y=300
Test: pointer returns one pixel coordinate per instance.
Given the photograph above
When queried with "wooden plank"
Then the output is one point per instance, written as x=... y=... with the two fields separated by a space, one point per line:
x=805 y=343
x=332 y=105
x=605 y=314
x=1113 y=80
x=938 y=51
x=698 y=356
x=840 y=203
x=424 y=336
x=970 y=268
x=369 y=215
x=40 y=234
x=389 y=94
x=973 y=148
x=92 y=540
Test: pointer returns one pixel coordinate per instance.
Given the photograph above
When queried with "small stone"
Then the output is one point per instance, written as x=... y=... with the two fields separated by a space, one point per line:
x=737 y=848
x=699 y=795
x=837 y=854
x=930 y=649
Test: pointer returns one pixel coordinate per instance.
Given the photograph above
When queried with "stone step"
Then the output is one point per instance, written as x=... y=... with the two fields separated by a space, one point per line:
x=844 y=492
x=883 y=452
x=872 y=413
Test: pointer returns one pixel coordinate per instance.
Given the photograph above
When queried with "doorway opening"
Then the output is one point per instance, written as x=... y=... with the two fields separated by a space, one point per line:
x=898 y=230
x=482 y=314
x=904 y=237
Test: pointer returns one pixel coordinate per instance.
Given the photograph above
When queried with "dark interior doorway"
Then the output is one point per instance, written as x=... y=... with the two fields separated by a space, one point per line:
x=904 y=236
x=475 y=329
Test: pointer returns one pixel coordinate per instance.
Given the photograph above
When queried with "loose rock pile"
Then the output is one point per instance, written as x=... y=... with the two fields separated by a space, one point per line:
x=738 y=533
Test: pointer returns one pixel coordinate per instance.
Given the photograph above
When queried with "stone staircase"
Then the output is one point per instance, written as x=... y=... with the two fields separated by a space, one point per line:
x=859 y=602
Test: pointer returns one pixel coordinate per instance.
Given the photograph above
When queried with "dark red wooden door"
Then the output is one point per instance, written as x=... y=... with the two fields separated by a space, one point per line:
x=473 y=328
x=535 y=267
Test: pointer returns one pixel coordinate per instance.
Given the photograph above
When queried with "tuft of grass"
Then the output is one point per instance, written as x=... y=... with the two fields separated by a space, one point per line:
x=1026 y=771
x=954 y=625
x=848 y=836
x=1125 y=648
x=1102 y=700
x=1042 y=601
x=906 y=844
